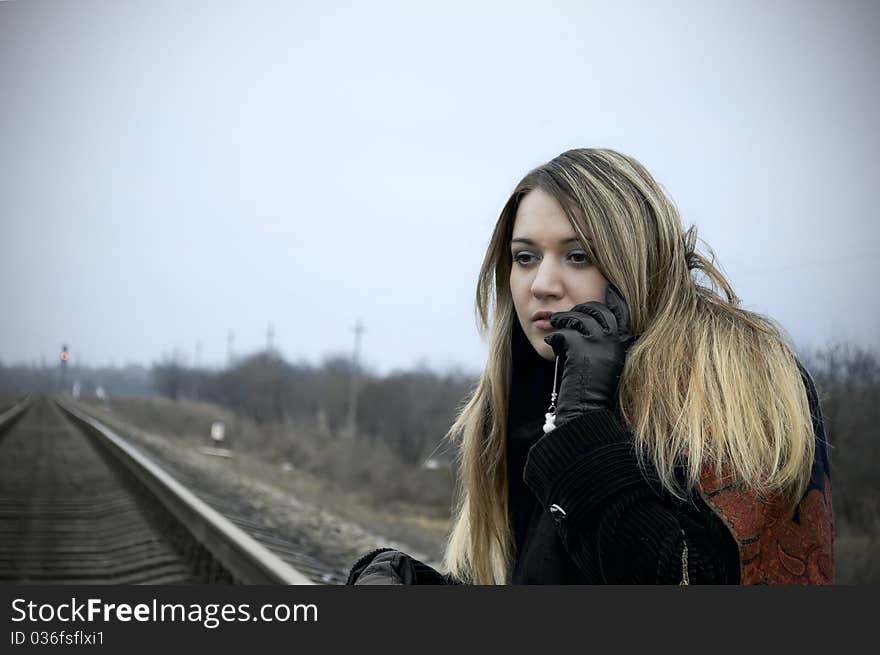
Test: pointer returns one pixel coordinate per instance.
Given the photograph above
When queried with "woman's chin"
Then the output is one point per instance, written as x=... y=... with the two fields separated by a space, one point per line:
x=544 y=350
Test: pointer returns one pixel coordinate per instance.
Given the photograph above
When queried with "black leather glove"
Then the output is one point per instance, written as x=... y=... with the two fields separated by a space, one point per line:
x=383 y=567
x=591 y=339
x=387 y=566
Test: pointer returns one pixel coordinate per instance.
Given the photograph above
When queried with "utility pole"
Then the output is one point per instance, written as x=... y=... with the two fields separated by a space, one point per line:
x=270 y=339
x=352 y=396
x=196 y=363
x=230 y=339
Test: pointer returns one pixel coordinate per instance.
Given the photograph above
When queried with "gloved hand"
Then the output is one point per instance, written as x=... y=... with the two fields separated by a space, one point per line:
x=383 y=567
x=387 y=566
x=591 y=339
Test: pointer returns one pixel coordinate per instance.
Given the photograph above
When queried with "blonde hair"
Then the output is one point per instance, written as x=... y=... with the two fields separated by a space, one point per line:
x=706 y=383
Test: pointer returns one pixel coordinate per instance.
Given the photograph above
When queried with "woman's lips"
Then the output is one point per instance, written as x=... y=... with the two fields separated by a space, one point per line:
x=541 y=319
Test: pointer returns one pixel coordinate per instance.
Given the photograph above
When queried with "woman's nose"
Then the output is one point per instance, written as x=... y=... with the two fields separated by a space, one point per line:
x=548 y=280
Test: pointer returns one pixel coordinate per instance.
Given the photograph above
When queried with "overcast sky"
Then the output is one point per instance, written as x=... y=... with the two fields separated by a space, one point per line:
x=174 y=171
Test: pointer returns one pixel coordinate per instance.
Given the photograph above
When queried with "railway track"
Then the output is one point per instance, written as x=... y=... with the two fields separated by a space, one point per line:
x=79 y=505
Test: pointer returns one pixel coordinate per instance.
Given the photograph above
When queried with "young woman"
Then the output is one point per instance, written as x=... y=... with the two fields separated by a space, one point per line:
x=632 y=425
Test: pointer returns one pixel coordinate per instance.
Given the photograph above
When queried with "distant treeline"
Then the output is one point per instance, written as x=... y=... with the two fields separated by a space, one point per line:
x=410 y=411
x=130 y=380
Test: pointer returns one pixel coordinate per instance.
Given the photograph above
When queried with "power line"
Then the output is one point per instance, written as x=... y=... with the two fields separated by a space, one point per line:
x=849 y=259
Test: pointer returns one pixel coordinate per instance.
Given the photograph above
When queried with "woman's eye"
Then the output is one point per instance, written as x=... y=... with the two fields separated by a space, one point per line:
x=579 y=257
x=524 y=258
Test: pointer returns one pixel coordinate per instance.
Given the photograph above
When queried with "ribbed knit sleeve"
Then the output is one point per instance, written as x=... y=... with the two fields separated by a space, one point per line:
x=615 y=521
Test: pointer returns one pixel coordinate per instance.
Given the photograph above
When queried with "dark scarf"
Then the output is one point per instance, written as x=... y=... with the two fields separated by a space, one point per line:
x=530 y=388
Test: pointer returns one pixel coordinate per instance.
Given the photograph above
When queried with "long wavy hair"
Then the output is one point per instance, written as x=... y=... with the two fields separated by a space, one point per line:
x=706 y=383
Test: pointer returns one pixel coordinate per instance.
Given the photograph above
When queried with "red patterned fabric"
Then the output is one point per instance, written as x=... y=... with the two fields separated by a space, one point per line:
x=775 y=548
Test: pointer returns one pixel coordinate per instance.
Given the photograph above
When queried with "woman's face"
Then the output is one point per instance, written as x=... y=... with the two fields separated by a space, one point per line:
x=550 y=271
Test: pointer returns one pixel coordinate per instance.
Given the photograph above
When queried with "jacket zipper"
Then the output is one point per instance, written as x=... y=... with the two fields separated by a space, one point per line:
x=685 y=580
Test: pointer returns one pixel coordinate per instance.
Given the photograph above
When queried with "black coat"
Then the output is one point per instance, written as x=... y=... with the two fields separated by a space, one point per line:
x=581 y=509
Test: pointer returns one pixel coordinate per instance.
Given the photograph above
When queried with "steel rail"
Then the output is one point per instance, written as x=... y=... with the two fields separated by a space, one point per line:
x=244 y=557
x=10 y=415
